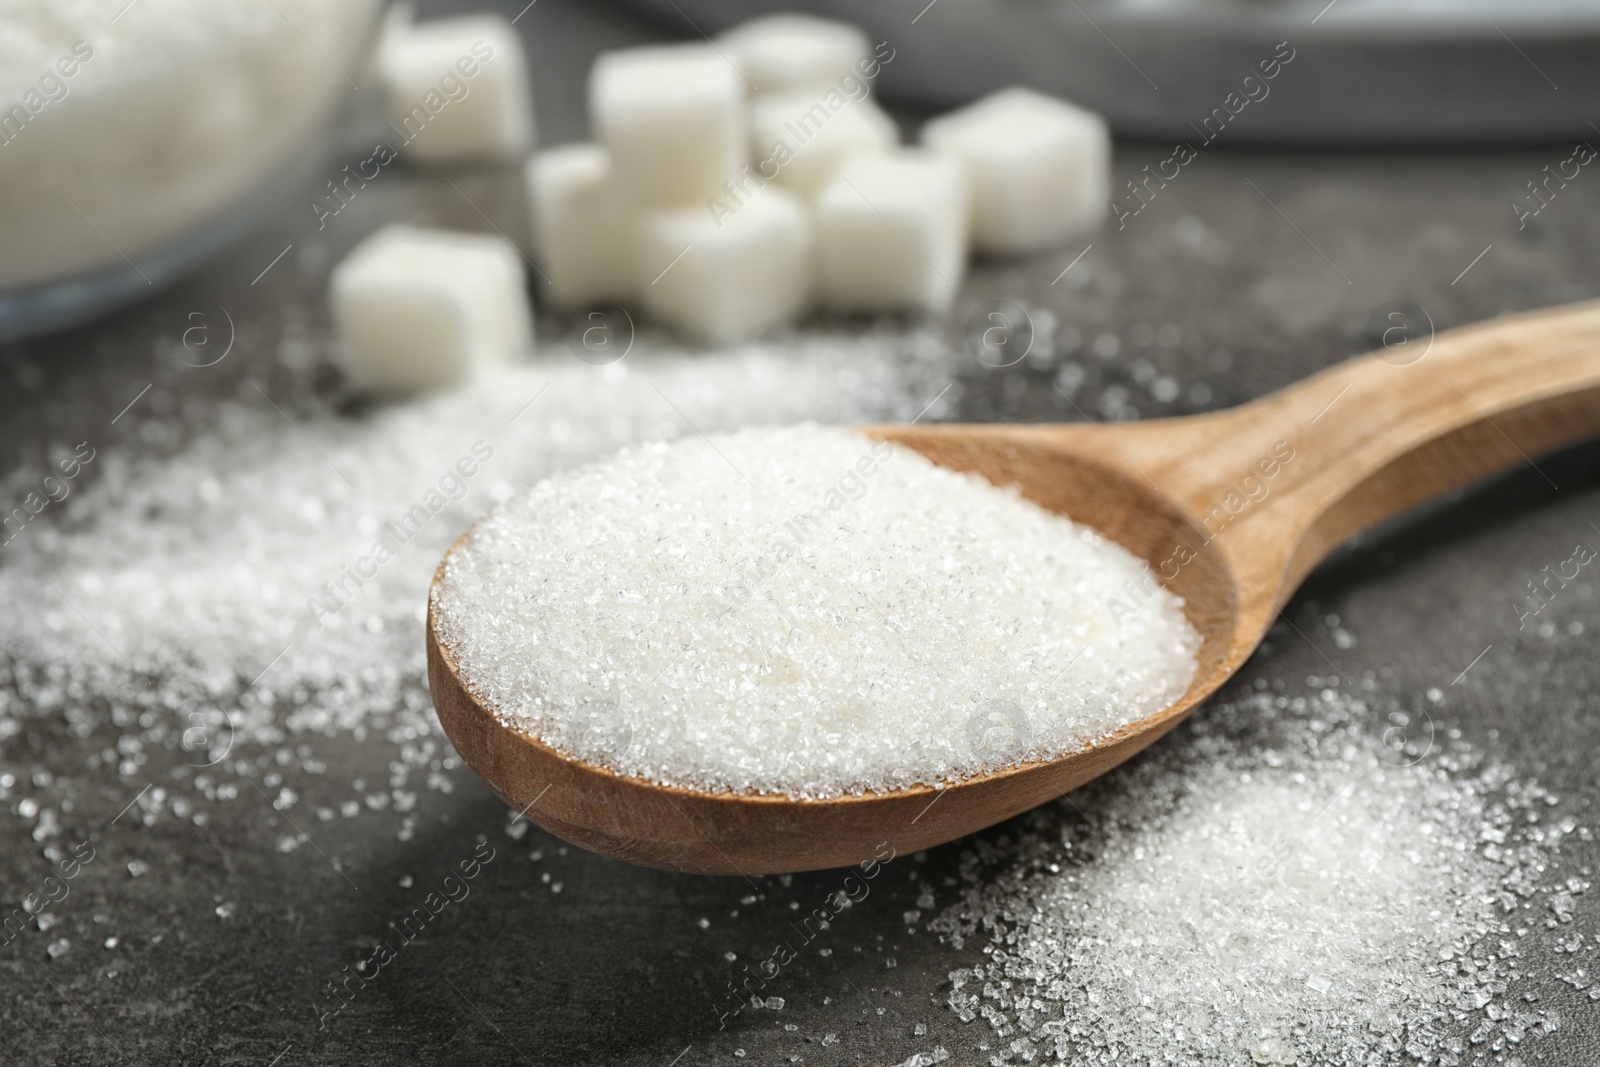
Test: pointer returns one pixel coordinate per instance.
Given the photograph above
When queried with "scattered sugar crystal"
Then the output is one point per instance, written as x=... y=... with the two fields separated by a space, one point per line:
x=224 y=602
x=1263 y=887
x=58 y=948
x=1273 y=1050
x=801 y=611
x=195 y=566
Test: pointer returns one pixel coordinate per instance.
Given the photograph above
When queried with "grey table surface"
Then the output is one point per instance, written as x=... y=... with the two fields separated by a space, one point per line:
x=1251 y=270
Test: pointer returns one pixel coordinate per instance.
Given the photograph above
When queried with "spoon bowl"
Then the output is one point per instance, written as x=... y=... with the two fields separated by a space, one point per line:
x=1230 y=510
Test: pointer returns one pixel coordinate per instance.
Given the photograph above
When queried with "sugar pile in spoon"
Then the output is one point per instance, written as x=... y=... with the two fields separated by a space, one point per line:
x=801 y=611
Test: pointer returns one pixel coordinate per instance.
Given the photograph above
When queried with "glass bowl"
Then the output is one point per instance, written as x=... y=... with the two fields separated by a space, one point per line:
x=136 y=143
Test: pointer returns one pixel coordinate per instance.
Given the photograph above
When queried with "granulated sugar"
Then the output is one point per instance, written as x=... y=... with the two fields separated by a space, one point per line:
x=238 y=580
x=153 y=116
x=1269 y=887
x=802 y=611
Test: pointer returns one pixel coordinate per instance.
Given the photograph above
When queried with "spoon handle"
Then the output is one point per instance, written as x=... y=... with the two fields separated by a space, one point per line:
x=1278 y=483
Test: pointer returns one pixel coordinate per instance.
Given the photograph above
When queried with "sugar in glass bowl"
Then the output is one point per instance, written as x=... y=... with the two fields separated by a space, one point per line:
x=136 y=138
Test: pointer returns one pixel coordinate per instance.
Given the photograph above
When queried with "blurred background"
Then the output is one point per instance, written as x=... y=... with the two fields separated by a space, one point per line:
x=164 y=267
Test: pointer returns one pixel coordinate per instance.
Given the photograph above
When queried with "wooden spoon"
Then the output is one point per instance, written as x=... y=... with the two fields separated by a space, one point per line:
x=1230 y=509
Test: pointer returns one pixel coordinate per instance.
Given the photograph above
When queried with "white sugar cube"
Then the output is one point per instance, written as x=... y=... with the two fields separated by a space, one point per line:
x=728 y=277
x=1038 y=168
x=891 y=232
x=672 y=117
x=584 y=230
x=801 y=138
x=457 y=89
x=781 y=53
x=419 y=309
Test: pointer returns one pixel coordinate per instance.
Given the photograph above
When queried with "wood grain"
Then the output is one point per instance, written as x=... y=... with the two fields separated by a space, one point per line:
x=1366 y=440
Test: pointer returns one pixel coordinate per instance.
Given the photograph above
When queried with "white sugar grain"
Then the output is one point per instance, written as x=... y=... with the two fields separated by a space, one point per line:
x=239 y=578
x=153 y=117
x=1272 y=886
x=802 y=611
